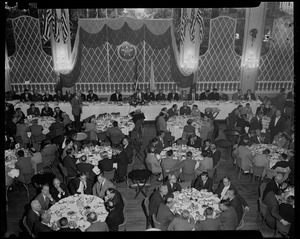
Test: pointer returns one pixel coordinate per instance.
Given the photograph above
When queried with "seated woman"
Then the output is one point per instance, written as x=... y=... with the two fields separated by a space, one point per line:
x=194 y=141
x=281 y=140
x=195 y=111
x=188 y=130
x=188 y=168
x=152 y=159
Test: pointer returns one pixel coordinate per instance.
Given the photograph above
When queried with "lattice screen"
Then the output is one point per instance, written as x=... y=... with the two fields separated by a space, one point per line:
x=30 y=62
x=220 y=65
x=278 y=64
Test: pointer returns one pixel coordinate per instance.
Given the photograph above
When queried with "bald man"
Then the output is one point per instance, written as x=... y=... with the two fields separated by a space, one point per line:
x=96 y=226
x=59 y=190
x=34 y=213
x=43 y=225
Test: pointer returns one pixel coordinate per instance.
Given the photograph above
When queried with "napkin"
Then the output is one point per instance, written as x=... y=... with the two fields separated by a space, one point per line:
x=96 y=170
x=14 y=173
x=115 y=165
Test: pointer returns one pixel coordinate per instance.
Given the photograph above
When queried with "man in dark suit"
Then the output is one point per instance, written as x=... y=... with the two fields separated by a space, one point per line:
x=273 y=185
x=223 y=186
x=68 y=96
x=23 y=164
x=34 y=213
x=194 y=141
x=173 y=185
x=249 y=95
x=56 y=129
x=64 y=226
x=76 y=104
x=120 y=157
x=49 y=152
x=204 y=182
x=58 y=96
x=115 y=134
x=69 y=163
x=173 y=111
x=96 y=226
x=81 y=185
x=114 y=204
x=256 y=122
x=238 y=202
x=11 y=127
x=214 y=95
x=83 y=97
x=116 y=96
x=42 y=226
x=277 y=124
x=156 y=198
x=33 y=110
x=164 y=215
x=185 y=109
x=223 y=96
x=216 y=154
x=138 y=96
x=105 y=164
x=204 y=95
x=128 y=148
x=91 y=96
x=86 y=168
x=173 y=96
x=26 y=96
x=45 y=198
x=47 y=111
x=36 y=97
x=210 y=223
x=160 y=96
x=59 y=190
x=148 y=96
x=47 y=97
x=193 y=95
x=102 y=184
x=228 y=216
x=287 y=212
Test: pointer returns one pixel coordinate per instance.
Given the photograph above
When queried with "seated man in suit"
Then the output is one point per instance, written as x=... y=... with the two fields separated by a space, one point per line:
x=173 y=185
x=183 y=223
x=193 y=95
x=228 y=216
x=203 y=182
x=56 y=129
x=59 y=190
x=156 y=198
x=287 y=212
x=48 y=152
x=128 y=148
x=244 y=154
x=82 y=95
x=96 y=226
x=69 y=162
x=249 y=95
x=86 y=168
x=106 y=164
x=223 y=186
x=223 y=96
x=117 y=96
x=91 y=97
x=262 y=160
x=238 y=95
x=216 y=154
x=214 y=95
x=164 y=214
x=58 y=96
x=173 y=111
x=148 y=96
x=169 y=164
x=256 y=122
x=173 y=95
x=26 y=96
x=43 y=225
x=277 y=124
x=45 y=198
x=34 y=111
x=237 y=202
x=188 y=172
x=185 y=109
x=194 y=141
x=81 y=185
x=101 y=186
x=23 y=164
x=188 y=129
x=115 y=134
x=138 y=96
x=47 y=96
x=34 y=213
x=273 y=185
x=64 y=226
x=160 y=96
x=68 y=96
x=204 y=95
x=210 y=223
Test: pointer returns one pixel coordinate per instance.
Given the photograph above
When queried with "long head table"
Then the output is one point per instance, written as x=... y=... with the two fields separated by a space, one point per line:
x=150 y=111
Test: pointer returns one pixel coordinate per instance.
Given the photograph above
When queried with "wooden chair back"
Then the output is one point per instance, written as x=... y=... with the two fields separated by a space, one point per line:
x=156 y=223
x=109 y=174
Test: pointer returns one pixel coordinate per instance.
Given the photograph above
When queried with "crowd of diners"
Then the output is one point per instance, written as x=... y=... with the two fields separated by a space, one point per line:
x=59 y=146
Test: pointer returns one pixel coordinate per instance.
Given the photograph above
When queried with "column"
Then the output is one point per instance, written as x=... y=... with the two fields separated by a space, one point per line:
x=253 y=37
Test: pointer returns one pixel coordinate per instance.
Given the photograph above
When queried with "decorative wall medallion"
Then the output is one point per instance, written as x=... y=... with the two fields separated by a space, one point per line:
x=127 y=51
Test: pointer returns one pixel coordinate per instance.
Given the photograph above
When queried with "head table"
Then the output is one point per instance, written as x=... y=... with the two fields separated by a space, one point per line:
x=195 y=202
x=150 y=110
x=76 y=208
x=179 y=153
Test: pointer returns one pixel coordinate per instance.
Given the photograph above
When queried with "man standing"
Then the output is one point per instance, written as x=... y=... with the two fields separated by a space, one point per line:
x=216 y=154
x=76 y=104
x=277 y=124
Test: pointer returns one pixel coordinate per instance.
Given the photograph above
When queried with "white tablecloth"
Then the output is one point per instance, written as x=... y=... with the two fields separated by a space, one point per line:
x=150 y=111
x=195 y=202
x=44 y=121
x=75 y=208
x=125 y=123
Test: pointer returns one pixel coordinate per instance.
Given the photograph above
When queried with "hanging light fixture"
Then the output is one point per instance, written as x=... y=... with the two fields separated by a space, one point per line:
x=287 y=7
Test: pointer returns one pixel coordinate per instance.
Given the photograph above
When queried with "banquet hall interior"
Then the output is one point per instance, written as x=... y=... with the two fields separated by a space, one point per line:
x=149 y=119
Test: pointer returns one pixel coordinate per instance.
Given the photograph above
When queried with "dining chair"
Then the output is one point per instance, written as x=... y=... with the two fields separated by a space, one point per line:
x=282 y=229
x=257 y=172
x=40 y=167
x=212 y=173
x=145 y=207
x=262 y=212
x=109 y=174
x=27 y=177
x=27 y=227
x=262 y=188
x=156 y=223
x=122 y=227
x=64 y=173
x=242 y=222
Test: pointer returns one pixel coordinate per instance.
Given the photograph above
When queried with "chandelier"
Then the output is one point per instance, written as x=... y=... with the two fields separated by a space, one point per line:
x=63 y=65
x=287 y=7
x=189 y=64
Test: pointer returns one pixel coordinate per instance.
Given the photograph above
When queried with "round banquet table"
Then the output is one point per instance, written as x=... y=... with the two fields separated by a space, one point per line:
x=195 y=202
x=75 y=208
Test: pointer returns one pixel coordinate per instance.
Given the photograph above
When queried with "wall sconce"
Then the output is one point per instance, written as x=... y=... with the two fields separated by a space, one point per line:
x=253 y=33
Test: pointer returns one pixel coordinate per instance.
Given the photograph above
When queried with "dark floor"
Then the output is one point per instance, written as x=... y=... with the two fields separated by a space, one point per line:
x=17 y=198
